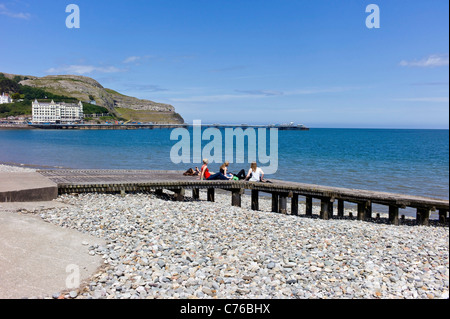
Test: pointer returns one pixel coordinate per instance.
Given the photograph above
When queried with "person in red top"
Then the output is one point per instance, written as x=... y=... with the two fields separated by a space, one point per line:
x=204 y=171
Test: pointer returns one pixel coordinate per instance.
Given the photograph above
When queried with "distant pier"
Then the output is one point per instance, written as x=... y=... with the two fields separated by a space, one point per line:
x=158 y=126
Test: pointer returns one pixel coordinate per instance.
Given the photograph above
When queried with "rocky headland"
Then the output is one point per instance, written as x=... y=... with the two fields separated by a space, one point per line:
x=87 y=89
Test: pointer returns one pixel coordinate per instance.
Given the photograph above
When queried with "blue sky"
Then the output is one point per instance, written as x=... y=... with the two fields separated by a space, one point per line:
x=311 y=62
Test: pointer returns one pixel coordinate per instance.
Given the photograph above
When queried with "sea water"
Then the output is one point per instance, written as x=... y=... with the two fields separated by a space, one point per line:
x=414 y=162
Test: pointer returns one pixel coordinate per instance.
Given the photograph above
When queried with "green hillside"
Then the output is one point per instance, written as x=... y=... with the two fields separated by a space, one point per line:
x=72 y=88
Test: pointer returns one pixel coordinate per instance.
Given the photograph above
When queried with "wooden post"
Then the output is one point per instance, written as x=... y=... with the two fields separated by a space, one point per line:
x=364 y=211
x=368 y=210
x=282 y=203
x=330 y=208
x=423 y=216
x=210 y=195
x=340 y=208
x=255 y=199
x=275 y=202
x=326 y=206
x=393 y=215
x=443 y=216
x=236 y=197
x=308 y=206
x=294 y=204
x=196 y=193
x=360 y=215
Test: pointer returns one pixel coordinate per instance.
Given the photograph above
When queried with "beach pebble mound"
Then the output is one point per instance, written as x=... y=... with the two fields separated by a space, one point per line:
x=159 y=248
x=11 y=169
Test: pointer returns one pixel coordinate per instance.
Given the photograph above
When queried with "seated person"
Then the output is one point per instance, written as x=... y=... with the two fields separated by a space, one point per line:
x=204 y=171
x=224 y=171
x=255 y=174
x=222 y=174
x=191 y=172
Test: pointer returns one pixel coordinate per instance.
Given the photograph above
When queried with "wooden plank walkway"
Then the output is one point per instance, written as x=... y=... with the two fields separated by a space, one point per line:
x=122 y=181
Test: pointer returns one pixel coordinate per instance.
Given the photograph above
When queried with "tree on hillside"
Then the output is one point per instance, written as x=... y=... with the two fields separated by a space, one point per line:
x=17 y=78
x=7 y=86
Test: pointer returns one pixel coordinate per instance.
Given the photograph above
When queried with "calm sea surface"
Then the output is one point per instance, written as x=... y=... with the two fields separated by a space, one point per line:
x=402 y=161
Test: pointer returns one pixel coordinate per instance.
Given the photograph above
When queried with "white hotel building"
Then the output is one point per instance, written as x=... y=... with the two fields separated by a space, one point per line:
x=5 y=98
x=57 y=113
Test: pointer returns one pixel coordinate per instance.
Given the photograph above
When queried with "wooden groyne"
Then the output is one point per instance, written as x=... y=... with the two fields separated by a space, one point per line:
x=123 y=181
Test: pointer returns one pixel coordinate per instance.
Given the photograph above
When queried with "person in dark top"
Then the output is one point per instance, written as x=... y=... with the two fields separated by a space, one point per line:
x=224 y=171
x=221 y=174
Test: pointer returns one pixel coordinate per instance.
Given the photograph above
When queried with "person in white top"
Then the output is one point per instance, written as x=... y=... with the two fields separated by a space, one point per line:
x=255 y=174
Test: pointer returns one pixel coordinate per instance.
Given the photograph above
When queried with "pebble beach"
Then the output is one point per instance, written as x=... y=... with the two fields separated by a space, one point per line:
x=159 y=248
x=12 y=169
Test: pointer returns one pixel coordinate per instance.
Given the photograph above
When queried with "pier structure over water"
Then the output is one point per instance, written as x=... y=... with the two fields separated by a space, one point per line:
x=158 y=126
x=130 y=181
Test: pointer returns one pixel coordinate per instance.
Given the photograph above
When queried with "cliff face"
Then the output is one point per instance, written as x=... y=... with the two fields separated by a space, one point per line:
x=82 y=88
